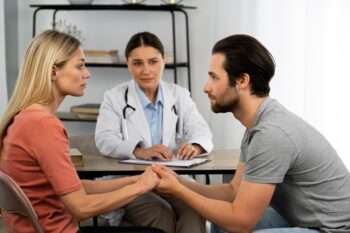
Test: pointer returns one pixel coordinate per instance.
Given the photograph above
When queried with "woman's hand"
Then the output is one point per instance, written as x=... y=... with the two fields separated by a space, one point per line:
x=170 y=182
x=158 y=151
x=148 y=180
x=188 y=151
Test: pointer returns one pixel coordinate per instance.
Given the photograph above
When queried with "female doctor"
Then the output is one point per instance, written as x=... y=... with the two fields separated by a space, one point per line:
x=147 y=118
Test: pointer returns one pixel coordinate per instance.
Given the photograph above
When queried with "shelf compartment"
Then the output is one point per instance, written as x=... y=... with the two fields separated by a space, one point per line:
x=171 y=8
x=136 y=7
x=123 y=65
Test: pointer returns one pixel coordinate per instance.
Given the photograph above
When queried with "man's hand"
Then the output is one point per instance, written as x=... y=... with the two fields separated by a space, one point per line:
x=169 y=181
x=158 y=151
x=188 y=151
x=148 y=180
x=168 y=170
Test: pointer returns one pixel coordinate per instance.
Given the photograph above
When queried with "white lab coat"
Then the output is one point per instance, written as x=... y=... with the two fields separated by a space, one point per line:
x=111 y=138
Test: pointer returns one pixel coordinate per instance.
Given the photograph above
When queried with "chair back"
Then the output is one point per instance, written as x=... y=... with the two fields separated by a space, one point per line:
x=14 y=201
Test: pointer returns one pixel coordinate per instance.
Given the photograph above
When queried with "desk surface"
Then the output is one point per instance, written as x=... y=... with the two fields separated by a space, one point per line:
x=222 y=162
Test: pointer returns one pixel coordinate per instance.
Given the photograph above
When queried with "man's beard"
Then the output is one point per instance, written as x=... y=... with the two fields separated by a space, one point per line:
x=227 y=103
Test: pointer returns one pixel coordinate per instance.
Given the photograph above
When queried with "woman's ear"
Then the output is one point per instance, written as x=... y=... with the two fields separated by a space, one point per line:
x=53 y=73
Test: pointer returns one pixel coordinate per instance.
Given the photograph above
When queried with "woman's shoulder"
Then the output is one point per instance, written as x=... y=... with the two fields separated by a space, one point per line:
x=38 y=116
x=34 y=120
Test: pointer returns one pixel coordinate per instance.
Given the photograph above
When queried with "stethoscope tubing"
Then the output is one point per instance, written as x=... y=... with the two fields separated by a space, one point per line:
x=125 y=133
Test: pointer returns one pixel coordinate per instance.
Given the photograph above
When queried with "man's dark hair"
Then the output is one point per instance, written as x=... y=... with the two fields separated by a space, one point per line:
x=144 y=39
x=245 y=54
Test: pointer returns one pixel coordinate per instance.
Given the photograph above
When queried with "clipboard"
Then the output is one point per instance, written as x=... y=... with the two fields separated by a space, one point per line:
x=174 y=163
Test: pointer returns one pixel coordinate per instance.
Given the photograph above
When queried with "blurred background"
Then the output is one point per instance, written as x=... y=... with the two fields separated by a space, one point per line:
x=309 y=40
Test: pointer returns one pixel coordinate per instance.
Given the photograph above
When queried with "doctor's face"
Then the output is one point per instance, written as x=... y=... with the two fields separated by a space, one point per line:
x=223 y=97
x=146 y=66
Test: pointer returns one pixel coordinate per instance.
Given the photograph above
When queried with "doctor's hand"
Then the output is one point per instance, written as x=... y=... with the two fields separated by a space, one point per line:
x=170 y=184
x=158 y=151
x=188 y=151
x=148 y=180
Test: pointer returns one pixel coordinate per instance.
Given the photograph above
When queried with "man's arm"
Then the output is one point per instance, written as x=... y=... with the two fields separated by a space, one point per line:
x=224 y=192
x=241 y=215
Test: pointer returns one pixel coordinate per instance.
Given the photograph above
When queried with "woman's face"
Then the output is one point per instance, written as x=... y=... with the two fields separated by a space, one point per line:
x=146 y=66
x=71 y=79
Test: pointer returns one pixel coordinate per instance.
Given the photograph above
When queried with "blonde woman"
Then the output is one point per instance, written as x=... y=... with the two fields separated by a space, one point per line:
x=34 y=146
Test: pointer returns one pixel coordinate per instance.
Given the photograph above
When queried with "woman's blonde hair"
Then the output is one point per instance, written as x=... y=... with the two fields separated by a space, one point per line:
x=48 y=49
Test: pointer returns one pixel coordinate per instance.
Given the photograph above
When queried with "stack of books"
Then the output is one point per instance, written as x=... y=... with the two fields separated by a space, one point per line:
x=76 y=157
x=86 y=111
x=101 y=56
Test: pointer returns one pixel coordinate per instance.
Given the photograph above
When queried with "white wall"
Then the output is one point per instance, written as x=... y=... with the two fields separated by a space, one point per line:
x=106 y=30
x=3 y=85
x=289 y=29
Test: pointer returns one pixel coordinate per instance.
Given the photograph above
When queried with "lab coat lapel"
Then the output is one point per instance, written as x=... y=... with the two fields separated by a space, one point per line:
x=138 y=118
x=169 y=116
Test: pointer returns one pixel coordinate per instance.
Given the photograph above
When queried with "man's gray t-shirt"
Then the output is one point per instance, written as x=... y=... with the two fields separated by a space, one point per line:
x=312 y=183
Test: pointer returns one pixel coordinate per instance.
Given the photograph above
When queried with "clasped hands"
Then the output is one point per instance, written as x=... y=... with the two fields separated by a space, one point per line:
x=160 y=179
x=159 y=151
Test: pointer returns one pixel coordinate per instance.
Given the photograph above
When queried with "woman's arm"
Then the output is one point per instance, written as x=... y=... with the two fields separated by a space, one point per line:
x=103 y=186
x=83 y=205
x=158 y=151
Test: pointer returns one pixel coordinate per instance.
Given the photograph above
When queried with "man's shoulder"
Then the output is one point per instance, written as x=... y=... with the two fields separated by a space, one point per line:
x=275 y=117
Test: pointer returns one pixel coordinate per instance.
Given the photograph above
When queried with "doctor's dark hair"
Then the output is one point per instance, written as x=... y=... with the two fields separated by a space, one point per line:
x=143 y=39
x=245 y=54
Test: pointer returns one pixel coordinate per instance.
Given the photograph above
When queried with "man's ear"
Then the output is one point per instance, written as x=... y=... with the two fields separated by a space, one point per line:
x=54 y=73
x=243 y=82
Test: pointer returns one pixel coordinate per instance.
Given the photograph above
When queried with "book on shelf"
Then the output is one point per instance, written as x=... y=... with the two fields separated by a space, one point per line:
x=76 y=116
x=88 y=108
x=86 y=116
x=78 y=163
x=101 y=56
x=76 y=157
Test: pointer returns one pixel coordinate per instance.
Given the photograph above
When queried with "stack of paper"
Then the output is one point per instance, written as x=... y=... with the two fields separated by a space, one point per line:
x=173 y=163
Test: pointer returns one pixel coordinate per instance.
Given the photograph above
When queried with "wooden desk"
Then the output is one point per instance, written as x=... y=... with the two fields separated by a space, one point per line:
x=222 y=162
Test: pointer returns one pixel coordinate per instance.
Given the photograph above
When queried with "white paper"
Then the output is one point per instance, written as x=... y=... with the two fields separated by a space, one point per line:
x=202 y=155
x=173 y=163
x=74 y=152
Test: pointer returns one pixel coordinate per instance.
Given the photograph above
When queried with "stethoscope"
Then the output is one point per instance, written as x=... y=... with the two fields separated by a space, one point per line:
x=178 y=136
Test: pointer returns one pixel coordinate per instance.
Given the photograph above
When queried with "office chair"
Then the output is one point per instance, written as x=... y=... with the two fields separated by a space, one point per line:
x=14 y=201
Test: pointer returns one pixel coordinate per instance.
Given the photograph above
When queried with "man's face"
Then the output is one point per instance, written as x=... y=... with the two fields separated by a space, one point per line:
x=223 y=97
